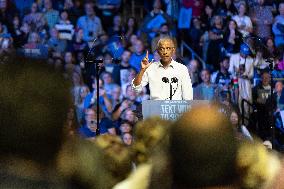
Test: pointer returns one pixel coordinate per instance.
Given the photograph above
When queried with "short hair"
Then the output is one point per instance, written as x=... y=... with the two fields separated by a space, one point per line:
x=167 y=38
x=212 y=22
x=148 y=136
x=281 y=82
x=98 y=163
x=224 y=58
x=124 y=121
x=205 y=70
x=34 y=102
x=203 y=148
x=264 y=72
x=118 y=164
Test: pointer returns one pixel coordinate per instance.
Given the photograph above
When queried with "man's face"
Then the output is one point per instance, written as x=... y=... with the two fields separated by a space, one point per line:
x=91 y=119
x=260 y=2
x=242 y=9
x=116 y=92
x=117 y=20
x=266 y=79
x=3 y=4
x=107 y=78
x=139 y=47
x=157 y=4
x=225 y=64
x=68 y=57
x=132 y=74
x=130 y=93
x=54 y=33
x=64 y=15
x=47 y=4
x=125 y=128
x=130 y=116
x=125 y=56
x=83 y=92
x=89 y=9
x=193 y=65
x=127 y=139
x=94 y=84
x=281 y=8
x=164 y=29
x=166 y=50
x=278 y=87
x=196 y=22
x=205 y=76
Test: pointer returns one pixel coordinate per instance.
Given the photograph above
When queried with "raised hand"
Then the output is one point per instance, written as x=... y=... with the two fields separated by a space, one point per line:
x=145 y=62
x=124 y=105
x=102 y=92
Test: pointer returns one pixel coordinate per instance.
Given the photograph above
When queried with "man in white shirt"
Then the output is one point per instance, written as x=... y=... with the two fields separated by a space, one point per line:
x=242 y=58
x=242 y=68
x=167 y=79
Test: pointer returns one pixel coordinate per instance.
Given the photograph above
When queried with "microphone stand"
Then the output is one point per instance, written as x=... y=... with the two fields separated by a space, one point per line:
x=98 y=95
x=171 y=91
x=98 y=69
x=96 y=62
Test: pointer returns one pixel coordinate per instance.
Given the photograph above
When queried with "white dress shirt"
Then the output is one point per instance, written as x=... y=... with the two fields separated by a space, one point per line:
x=160 y=90
x=236 y=60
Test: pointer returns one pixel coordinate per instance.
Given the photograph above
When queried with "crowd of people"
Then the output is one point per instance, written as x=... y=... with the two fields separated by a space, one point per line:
x=201 y=149
x=240 y=43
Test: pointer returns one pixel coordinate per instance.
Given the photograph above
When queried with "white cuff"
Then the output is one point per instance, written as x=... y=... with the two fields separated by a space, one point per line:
x=137 y=88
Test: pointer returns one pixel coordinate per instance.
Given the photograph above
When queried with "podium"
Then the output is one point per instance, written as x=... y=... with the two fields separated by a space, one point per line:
x=168 y=109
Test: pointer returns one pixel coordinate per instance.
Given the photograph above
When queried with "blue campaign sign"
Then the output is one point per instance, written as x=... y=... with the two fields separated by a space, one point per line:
x=168 y=109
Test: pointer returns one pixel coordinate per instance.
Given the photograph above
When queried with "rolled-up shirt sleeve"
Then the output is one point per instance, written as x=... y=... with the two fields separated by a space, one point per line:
x=143 y=83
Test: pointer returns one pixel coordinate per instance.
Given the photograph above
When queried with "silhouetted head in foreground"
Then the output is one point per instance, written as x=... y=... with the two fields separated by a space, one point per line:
x=34 y=101
x=203 y=149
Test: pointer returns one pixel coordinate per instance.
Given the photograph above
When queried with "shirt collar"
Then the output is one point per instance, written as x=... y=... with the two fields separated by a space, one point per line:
x=172 y=64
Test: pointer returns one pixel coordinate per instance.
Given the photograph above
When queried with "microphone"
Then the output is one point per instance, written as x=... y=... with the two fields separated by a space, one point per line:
x=92 y=46
x=174 y=80
x=87 y=58
x=165 y=80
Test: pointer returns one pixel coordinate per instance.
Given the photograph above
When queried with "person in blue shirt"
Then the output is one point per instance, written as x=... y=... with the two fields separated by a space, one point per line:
x=104 y=99
x=205 y=90
x=88 y=130
x=90 y=23
x=138 y=55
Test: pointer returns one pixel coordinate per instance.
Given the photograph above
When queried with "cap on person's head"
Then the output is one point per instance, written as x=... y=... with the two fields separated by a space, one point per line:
x=244 y=49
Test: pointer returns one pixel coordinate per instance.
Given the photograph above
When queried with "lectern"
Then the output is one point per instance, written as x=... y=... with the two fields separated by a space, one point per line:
x=168 y=109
